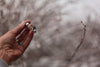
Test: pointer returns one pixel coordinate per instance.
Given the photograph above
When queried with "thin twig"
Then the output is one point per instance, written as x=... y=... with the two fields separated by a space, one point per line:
x=81 y=42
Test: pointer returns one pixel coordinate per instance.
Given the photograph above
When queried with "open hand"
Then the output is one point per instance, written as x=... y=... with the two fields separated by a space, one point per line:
x=10 y=50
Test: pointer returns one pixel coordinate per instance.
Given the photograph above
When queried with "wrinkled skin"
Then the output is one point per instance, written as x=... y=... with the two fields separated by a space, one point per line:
x=10 y=50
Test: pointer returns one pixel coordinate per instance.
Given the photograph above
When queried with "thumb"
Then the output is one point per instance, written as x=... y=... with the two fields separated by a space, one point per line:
x=19 y=28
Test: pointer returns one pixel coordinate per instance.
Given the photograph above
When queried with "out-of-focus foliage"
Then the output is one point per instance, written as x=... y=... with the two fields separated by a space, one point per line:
x=59 y=31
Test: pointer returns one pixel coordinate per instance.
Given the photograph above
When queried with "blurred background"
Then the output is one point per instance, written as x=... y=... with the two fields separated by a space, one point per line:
x=59 y=31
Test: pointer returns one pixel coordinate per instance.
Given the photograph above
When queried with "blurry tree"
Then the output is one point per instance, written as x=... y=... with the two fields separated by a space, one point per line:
x=59 y=31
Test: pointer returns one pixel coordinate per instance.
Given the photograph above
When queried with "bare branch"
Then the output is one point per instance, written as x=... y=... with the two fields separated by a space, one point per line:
x=80 y=44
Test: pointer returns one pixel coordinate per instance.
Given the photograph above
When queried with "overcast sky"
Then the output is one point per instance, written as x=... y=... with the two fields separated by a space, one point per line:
x=80 y=9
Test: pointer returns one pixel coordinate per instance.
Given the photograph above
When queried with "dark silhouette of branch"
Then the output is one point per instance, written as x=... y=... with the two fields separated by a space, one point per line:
x=80 y=44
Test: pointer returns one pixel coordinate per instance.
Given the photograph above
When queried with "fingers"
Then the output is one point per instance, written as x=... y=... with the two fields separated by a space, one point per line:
x=19 y=28
x=28 y=39
x=24 y=34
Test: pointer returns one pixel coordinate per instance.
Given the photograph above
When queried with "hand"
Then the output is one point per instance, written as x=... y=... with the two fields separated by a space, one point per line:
x=10 y=50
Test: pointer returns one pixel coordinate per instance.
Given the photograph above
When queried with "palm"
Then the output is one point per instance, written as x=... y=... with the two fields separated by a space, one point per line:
x=10 y=49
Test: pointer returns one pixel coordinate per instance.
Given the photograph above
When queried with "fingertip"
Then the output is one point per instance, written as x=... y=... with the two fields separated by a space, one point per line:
x=27 y=21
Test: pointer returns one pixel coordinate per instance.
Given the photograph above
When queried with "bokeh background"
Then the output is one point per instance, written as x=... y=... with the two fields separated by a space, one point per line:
x=59 y=31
